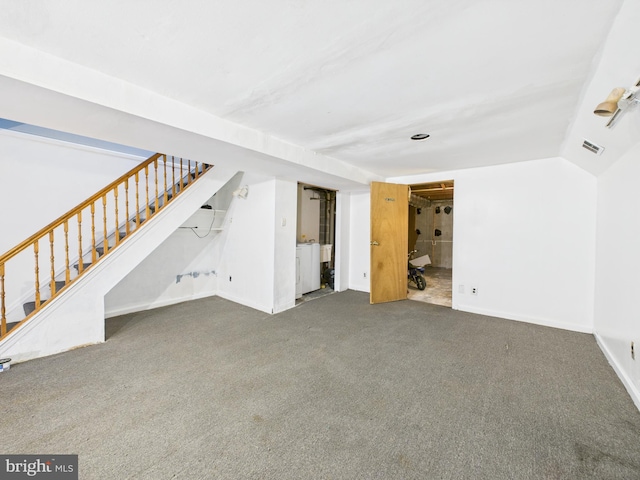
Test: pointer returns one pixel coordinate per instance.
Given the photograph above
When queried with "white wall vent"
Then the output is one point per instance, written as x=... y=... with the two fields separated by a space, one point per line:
x=592 y=147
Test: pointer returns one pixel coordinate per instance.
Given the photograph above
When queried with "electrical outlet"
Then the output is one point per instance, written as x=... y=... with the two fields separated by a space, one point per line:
x=364 y=275
x=633 y=352
x=229 y=277
x=474 y=290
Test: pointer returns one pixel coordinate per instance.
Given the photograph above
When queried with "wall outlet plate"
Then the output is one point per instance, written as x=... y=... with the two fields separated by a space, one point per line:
x=474 y=290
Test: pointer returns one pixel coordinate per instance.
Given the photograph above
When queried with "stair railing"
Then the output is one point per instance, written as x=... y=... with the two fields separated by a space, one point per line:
x=89 y=231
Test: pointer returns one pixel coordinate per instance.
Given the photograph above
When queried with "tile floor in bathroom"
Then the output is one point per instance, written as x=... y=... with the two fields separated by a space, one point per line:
x=438 y=289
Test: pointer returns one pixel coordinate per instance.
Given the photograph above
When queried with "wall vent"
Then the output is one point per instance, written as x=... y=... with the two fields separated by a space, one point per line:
x=592 y=147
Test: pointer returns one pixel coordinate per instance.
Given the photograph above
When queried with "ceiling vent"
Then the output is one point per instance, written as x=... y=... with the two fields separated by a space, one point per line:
x=592 y=147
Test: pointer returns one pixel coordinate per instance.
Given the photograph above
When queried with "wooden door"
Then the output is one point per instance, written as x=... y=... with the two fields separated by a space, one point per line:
x=389 y=239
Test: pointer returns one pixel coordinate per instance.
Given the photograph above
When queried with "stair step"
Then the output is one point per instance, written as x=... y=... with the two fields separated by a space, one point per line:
x=111 y=244
x=84 y=266
x=152 y=209
x=31 y=306
x=59 y=285
x=10 y=326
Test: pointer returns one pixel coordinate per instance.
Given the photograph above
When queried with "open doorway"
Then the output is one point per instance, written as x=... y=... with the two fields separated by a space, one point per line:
x=315 y=236
x=431 y=210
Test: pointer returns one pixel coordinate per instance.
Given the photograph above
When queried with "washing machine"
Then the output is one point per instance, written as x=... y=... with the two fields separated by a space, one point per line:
x=307 y=268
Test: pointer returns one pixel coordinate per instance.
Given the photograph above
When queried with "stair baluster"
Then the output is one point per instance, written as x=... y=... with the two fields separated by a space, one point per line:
x=126 y=200
x=165 y=195
x=3 y=313
x=80 y=242
x=104 y=224
x=93 y=233
x=37 y=272
x=67 y=270
x=155 y=170
x=53 y=269
x=146 y=196
x=115 y=199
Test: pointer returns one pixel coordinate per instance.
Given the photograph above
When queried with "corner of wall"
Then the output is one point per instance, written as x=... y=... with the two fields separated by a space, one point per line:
x=622 y=373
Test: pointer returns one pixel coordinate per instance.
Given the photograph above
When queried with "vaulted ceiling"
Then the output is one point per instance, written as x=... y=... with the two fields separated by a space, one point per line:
x=491 y=82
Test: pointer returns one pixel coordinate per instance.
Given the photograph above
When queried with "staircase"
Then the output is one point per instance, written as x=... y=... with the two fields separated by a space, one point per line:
x=51 y=261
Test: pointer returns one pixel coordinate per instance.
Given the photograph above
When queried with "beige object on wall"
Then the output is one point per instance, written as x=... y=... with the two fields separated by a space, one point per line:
x=610 y=105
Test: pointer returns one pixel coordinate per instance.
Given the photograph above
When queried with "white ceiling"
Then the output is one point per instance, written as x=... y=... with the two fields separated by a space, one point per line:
x=492 y=81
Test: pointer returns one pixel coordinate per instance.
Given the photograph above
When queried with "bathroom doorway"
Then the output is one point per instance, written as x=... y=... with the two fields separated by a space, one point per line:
x=431 y=211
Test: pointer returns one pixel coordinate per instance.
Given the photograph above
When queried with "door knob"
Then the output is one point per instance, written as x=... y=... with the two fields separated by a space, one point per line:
x=374 y=243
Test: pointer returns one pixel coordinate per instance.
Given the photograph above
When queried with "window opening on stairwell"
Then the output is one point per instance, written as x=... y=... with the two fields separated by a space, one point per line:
x=26 y=128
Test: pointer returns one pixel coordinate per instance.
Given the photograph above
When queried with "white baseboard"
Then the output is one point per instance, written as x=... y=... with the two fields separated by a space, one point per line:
x=145 y=306
x=358 y=288
x=626 y=381
x=522 y=318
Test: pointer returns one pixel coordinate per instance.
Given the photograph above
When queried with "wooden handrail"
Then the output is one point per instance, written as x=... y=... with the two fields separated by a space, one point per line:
x=74 y=217
x=74 y=211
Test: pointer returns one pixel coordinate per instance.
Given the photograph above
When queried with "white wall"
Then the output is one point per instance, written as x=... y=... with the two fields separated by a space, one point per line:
x=618 y=226
x=256 y=249
x=343 y=241
x=617 y=268
x=44 y=178
x=524 y=236
x=246 y=253
x=359 y=234
x=284 y=269
x=182 y=268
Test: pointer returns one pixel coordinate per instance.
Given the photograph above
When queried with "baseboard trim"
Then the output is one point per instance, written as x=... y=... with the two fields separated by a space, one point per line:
x=165 y=303
x=144 y=307
x=634 y=393
x=522 y=318
x=358 y=288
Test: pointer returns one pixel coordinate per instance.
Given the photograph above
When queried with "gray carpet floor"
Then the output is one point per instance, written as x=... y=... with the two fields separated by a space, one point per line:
x=333 y=389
